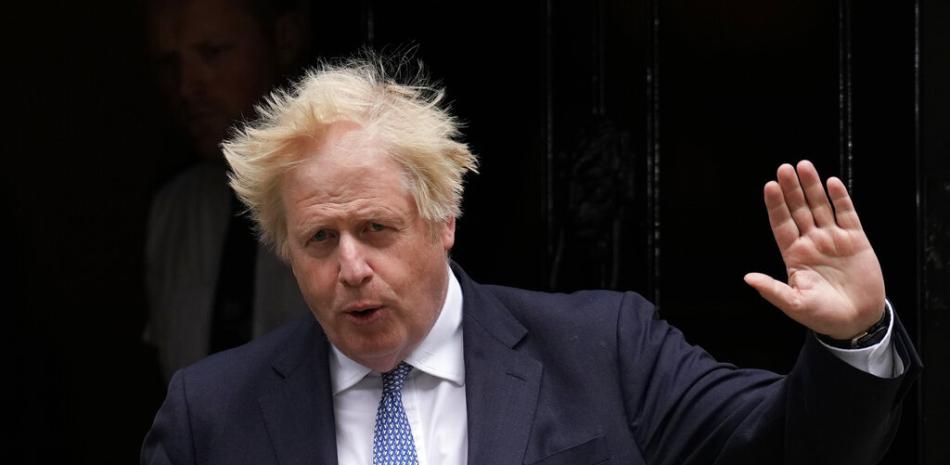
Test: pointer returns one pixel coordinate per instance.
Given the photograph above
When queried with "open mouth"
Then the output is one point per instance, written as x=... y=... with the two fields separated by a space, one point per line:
x=365 y=315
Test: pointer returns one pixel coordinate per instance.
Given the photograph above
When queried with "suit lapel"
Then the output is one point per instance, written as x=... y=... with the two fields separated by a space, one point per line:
x=298 y=412
x=501 y=384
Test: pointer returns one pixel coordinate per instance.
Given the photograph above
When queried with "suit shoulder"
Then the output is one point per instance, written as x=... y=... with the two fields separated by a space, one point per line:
x=553 y=301
x=579 y=307
x=194 y=180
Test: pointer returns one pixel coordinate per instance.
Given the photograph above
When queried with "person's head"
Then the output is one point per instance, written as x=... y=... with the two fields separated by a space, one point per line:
x=214 y=59
x=356 y=180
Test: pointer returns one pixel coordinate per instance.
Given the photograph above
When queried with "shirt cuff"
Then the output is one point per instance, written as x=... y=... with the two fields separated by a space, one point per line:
x=880 y=360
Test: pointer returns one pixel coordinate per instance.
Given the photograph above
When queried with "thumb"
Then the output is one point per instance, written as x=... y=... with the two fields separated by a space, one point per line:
x=776 y=292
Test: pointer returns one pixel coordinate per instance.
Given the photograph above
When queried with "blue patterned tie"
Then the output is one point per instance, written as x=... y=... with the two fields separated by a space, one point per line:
x=392 y=437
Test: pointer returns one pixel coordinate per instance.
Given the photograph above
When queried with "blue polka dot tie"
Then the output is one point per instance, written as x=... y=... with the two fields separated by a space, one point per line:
x=392 y=437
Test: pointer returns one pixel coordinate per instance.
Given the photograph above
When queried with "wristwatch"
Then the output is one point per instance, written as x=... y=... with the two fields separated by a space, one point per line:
x=868 y=338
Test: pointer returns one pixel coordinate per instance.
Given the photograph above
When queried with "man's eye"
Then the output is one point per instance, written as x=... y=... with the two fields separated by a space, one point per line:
x=321 y=235
x=212 y=51
x=376 y=227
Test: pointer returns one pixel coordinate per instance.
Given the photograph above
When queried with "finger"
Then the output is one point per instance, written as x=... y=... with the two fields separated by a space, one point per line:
x=845 y=214
x=795 y=198
x=776 y=292
x=783 y=228
x=815 y=194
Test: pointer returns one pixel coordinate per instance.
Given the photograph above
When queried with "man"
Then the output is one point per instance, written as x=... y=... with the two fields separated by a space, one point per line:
x=356 y=180
x=210 y=287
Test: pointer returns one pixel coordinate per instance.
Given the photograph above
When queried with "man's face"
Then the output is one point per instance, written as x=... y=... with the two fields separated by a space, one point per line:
x=372 y=271
x=213 y=63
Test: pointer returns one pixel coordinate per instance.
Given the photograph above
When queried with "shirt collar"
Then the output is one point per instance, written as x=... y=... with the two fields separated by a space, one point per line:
x=440 y=353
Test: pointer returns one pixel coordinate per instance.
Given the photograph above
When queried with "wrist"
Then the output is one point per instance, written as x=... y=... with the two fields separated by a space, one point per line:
x=867 y=338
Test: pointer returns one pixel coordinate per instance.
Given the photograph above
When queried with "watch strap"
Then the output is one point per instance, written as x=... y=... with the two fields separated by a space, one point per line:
x=873 y=335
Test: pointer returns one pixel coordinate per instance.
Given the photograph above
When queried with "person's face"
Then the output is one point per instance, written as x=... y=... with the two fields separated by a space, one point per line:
x=372 y=270
x=214 y=62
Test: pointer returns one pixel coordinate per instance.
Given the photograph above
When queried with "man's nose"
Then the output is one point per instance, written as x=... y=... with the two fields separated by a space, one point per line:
x=193 y=78
x=354 y=269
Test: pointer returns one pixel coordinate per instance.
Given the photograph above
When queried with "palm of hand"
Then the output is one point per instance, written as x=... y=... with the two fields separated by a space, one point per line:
x=835 y=286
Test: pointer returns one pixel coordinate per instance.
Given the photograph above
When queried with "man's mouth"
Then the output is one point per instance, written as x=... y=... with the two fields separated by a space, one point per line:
x=364 y=315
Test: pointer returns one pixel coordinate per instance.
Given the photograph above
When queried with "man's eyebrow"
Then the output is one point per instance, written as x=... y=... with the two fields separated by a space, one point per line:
x=360 y=214
x=380 y=213
x=375 y=210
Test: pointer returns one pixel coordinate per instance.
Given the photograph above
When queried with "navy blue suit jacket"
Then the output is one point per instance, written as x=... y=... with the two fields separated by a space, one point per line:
x=587 y=378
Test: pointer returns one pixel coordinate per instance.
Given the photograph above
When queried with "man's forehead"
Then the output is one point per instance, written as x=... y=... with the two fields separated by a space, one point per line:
x=344 y=159
x=174 y=24
x=346 y=142
x=360 y=186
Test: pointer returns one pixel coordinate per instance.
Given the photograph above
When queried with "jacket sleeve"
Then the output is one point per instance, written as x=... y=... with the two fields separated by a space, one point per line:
x=686 y=408
x=170 y=440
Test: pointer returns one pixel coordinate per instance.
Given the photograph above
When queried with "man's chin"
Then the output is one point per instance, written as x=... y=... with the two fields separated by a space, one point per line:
x=209 y=149
x=207 y=141
x=371 y=352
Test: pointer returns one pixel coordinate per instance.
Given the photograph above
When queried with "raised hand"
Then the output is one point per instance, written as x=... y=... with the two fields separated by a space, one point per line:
x=835 y=286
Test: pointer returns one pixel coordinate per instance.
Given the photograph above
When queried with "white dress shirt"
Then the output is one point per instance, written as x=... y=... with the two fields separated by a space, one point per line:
x=187 y=228
x=434 y=393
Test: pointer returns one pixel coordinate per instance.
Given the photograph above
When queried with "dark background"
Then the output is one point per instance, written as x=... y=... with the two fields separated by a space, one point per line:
x=624 y=144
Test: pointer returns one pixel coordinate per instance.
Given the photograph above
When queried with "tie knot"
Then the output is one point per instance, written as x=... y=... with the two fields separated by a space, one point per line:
x=395 y=378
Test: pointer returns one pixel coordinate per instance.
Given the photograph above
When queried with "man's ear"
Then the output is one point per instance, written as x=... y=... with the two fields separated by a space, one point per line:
x=447 y=233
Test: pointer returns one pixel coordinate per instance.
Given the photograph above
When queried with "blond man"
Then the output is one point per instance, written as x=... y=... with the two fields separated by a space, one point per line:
x=355 y=178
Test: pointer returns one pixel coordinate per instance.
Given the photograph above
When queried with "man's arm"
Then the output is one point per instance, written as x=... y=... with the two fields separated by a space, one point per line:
x=685 y=408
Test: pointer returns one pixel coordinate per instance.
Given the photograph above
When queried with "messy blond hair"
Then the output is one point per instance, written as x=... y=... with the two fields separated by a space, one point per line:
x=409 y=118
